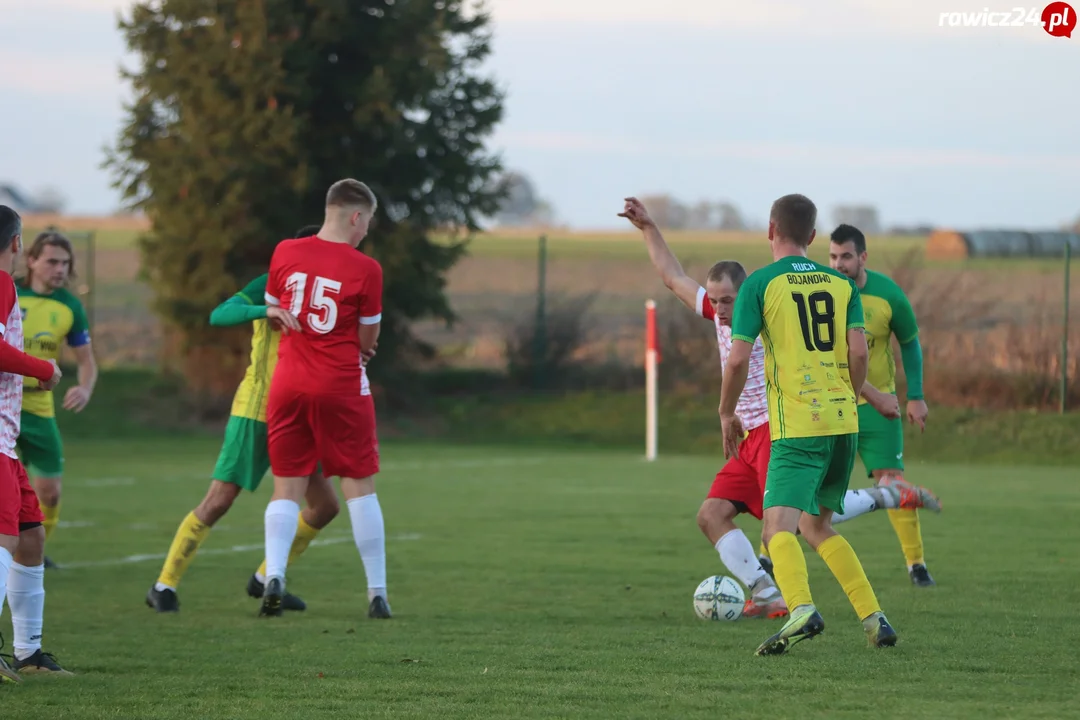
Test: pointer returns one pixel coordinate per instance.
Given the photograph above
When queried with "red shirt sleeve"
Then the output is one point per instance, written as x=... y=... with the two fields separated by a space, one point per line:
x=8 y=298
x=704 y=307
x=371 y=296
x=274 y=286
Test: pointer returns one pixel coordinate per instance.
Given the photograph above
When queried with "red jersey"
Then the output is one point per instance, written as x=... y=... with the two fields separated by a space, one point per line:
x=332 y=289
x=11 y=385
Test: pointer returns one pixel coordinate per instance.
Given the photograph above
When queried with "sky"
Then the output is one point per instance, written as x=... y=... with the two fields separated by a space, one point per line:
x=846 y=101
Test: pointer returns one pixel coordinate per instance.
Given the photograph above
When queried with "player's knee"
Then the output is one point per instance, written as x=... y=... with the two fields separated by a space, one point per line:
x=48 y=491
x=31 y=549
x=715 y=516
x=325 y=511
x=816 y=530
x=217 y=502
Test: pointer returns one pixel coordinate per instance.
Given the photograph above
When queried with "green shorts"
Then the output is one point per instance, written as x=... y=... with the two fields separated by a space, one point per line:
x=881 y=441
x=812 y=472
x=244 y=457
x=40 y=445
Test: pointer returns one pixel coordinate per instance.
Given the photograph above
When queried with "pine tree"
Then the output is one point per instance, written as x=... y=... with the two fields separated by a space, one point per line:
x=246 y=111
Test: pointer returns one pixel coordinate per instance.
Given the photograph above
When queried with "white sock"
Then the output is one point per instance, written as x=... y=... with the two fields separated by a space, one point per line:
x=260 y=577
x=369 y=533
x=5 y=567
x=739 y=558
x=856 y=503
x=26 y=595
x=281 y=519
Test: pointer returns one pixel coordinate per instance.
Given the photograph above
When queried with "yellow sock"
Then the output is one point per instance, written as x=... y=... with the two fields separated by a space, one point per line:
x=789 y=566
x=52 y=517
x=189 y=536
x=907 y=527
x=845 y=566
x=762 y=551
x=304 y=535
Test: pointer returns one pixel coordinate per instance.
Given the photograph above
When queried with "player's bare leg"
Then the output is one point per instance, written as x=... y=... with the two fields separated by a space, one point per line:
x=369 y=533
x=789 y=566
x=322 y=508
x=281 y=521
x=716 y=519
x=26 y=598
x=193 y=530
x=848 y=571
x=8 y=547
x=905 y=521
x=49 y=489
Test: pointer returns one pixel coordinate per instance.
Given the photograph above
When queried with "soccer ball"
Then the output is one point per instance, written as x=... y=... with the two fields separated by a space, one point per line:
x=719 y=598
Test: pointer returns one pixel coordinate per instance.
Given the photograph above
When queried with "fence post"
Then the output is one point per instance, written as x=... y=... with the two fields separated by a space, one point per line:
x=1065 y=335
x=91 y=279
x=540 y=338
x=651 y=358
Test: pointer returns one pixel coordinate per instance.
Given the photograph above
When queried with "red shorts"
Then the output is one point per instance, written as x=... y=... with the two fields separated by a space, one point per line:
x=18 y=502
x=337 y=431
x=742 y=479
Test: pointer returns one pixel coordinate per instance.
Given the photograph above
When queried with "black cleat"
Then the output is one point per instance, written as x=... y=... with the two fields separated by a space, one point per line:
x=41 y=662
x=163 y=601
x=379 y=608
x=272 y=598
x=256 y=590
x=920 y=576
x=50 y=565
x=766 y=565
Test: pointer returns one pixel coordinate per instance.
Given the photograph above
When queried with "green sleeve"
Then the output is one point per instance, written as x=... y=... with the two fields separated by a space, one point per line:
x=903 y=322
x=911 y=356
x=855 y=317
x=79 y=334
x=245 y=306
x=747 y=317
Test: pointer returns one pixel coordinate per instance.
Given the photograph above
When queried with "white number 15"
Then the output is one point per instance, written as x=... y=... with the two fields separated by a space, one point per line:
x=322 y=310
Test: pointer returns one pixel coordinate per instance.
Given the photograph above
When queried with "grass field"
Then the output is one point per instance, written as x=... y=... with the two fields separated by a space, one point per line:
x=541 y=583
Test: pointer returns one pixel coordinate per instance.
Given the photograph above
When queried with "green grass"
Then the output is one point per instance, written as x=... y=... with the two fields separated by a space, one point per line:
x=544 y=584
x=687 y=424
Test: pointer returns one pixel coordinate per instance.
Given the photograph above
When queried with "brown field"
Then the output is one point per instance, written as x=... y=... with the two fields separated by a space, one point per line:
x=991 y=329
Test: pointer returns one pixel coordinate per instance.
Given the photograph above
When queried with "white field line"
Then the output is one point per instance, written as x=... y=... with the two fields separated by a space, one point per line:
x=109 y=482
x=133 y=559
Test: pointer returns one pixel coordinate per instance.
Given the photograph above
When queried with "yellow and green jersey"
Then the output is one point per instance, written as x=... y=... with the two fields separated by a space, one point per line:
x=250 y=305
x=49 y=320
x=802 y=310
x=887 y=312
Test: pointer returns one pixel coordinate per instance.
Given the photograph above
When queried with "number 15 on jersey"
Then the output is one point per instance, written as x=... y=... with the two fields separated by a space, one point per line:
x=321 y=308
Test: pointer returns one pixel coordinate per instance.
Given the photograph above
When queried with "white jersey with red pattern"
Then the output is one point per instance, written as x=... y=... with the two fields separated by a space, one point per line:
x=753 y=407
x=11 y=385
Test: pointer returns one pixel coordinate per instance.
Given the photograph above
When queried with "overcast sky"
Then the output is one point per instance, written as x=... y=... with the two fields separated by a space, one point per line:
x=843 y=100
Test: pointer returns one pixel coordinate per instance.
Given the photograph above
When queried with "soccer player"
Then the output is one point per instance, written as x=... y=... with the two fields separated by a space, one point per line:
x=810 y=320
x=740 y=484
x=881 y=437
x=51 y=316
x=22 y=537
x=244 y=458
x=320 y=407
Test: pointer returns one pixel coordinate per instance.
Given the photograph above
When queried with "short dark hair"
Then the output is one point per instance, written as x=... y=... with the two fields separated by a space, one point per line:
x=349 y=193
x=307 y=231
x=10 y=227
x=730 y=269
x=845 y=233
x=795 y=217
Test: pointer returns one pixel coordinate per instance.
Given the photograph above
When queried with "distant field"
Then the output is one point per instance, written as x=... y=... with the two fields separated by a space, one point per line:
x=493 y=290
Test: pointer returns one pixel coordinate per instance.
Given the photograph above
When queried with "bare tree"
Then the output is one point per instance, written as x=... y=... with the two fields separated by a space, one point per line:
x=667 y=211
x=521 y=204
x=864 y=217
x=50 y=200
